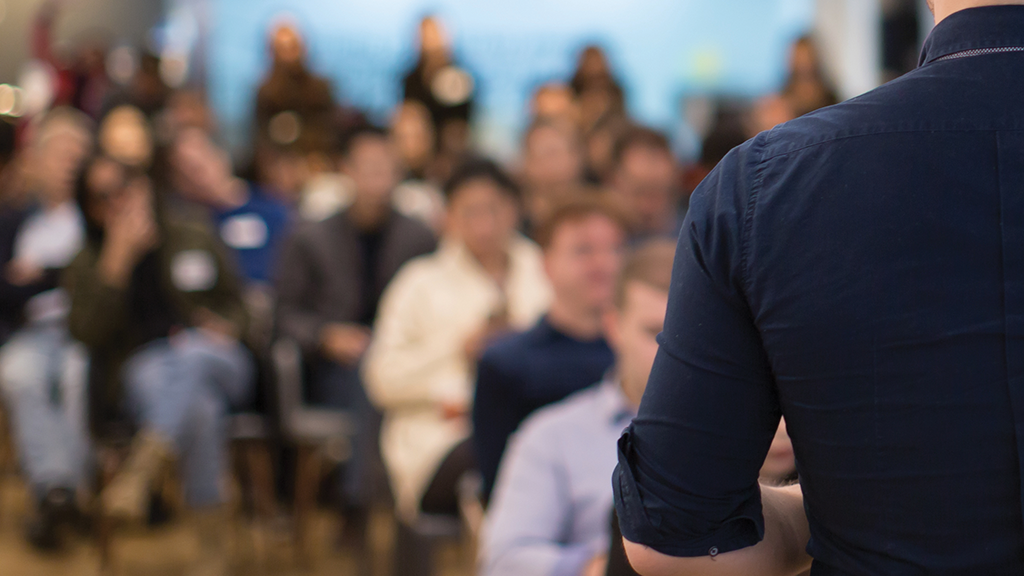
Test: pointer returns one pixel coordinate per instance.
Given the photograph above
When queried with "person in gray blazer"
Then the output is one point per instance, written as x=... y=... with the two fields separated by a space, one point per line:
x=330 y=278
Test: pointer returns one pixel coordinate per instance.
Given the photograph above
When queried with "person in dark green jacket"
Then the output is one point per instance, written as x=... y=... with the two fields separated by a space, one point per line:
x=161 y=313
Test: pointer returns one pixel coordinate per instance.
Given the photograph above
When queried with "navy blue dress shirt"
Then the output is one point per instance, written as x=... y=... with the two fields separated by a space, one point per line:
x=860 y=271
x=521 y=373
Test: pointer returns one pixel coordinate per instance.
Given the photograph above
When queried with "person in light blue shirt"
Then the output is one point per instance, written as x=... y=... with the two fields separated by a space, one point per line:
x=552 y=502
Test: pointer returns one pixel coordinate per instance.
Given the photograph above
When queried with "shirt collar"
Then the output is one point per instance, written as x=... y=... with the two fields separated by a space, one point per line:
x=614 y=405
x=973 y=29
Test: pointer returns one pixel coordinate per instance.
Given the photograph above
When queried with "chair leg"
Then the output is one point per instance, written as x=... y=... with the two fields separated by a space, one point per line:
x=307 y=483
x=413 y=555
x=109 y=463
x=261 y=472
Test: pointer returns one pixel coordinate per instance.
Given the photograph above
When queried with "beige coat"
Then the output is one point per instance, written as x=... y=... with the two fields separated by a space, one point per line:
x=417 y=362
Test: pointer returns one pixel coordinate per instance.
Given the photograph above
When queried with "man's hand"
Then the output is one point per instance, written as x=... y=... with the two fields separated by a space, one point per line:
x=21 y=273
x=344 y=343
x=129 y=235
x=596 y=567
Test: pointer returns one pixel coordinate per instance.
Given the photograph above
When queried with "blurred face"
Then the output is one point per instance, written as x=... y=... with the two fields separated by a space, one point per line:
x=413 y=135
x=632 y=332
x=372 y=165
x=287 y=46
x=483 y=217
x=804 y=60
x=125 y=136
x=58 y=160
x=113 y=191
x=552 y=159
x=433 y=41
x=583 y=260
x=645 y=184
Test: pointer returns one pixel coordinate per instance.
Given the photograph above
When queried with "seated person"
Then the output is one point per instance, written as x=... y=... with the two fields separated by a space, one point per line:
x=551 y=507
x=250 y=222
x=160 y=311
x=644 y=181
x=42 y=372
x=434 y=321
x=332 y=274
x=566 y=351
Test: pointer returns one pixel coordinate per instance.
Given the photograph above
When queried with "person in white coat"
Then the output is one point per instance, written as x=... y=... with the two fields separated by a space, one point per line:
x=433 y=322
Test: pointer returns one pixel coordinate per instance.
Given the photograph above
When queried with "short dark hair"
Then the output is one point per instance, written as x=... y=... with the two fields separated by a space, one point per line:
x=639 y=137
x=475 y=169
x=349 y=138
x=649 y=263
x=577 y=208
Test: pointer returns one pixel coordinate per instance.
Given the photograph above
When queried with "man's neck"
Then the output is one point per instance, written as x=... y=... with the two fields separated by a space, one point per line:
x=943 y=8
x=579 y=323
x=368 y=216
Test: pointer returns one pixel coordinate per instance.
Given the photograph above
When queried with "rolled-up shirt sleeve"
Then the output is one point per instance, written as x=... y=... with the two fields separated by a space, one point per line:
x=687 y=480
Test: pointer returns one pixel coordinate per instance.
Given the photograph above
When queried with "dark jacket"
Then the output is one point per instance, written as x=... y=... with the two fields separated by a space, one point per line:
x=320 y=276
x=13 y=298
x=100 y=316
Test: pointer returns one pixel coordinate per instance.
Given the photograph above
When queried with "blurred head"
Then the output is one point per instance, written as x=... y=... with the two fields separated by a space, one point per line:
x=601 y=145
x=552 y=158
x=126 y=136
x=583 y=242
x=482 y=208
x=433 y=38
x=283 y=171
x=803 y=58
x=592 y=63
x=632 y=325
x=106 y=189
x=60 y=144
x=644 y=179
x=367 y=157
x=287 y=46
x=202 y=171
x=554 y=101
x=412 y=132
x=189 y=109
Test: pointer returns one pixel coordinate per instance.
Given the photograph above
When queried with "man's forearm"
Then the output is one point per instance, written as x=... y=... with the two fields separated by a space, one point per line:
x=781 y=553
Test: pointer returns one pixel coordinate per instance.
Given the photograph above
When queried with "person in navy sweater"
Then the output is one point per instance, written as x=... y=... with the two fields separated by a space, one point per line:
x=583 y=242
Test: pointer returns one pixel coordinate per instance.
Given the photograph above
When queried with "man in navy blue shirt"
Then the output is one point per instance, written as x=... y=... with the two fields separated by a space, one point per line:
x=583 y=242
x=860 y=271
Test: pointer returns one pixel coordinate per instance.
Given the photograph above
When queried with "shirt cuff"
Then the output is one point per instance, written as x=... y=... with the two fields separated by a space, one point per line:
x=648 y=520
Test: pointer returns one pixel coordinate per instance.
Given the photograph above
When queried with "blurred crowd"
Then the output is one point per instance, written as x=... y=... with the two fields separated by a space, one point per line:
x=471 y=319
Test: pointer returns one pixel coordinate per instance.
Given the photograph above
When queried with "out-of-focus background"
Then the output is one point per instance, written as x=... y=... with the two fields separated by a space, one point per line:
x=384 y=233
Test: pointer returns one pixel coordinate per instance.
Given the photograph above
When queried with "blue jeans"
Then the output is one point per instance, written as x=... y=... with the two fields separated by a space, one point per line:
x=42 y=376
x=183 y=388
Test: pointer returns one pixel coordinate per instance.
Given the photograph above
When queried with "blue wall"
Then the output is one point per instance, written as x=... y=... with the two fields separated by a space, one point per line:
x=661 y=50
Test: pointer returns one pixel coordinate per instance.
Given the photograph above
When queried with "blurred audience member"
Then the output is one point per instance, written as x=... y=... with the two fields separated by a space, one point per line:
x=42 y=372
x=554 y=101
x=598 y=93
x=156 y=304
x=435 y=319
x=768 y=112
x=294 y=106
x=552 y=170
x=723 y=136
x=412 y=130
x=126 y=135
x=566 y=350
x=331 y=279
x=11 y=168
x=146 y=90
x=600 y=148
x=81 y=76
x=283 y=173
x=807 y=87
x=440 y=84
x=551 y=506
x=418 y=196
x=250 y=222
x=644 y=183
